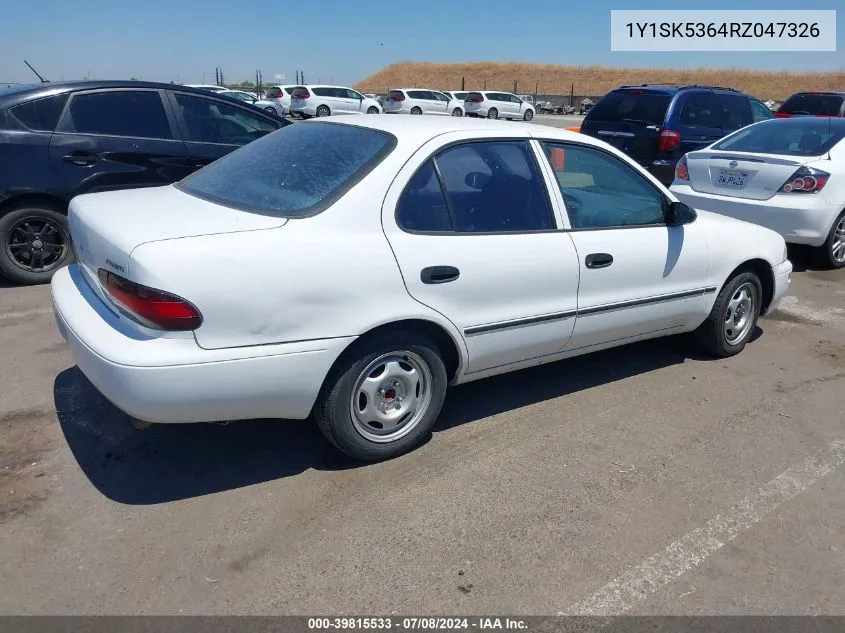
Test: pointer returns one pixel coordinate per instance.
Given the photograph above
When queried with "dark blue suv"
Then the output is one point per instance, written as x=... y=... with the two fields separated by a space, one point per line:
x=656 y=124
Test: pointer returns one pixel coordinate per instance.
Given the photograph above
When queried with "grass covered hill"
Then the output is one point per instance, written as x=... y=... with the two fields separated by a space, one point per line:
x=591 y=80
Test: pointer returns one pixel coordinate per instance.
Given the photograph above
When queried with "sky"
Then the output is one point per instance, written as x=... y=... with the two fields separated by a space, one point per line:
x=340 y=41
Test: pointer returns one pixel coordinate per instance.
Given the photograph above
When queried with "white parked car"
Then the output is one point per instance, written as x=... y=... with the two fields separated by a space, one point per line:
x=785 y=174
x=399 y=255
x=240 y=95
x=320 y=101
x=457 y=96
x=422 y=101
x=497 y=105
x=276 y=100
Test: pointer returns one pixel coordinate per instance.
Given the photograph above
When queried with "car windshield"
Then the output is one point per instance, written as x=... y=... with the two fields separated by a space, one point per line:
x=786 y=137
x=809 y=103
x=294 y=172
x=630 y=106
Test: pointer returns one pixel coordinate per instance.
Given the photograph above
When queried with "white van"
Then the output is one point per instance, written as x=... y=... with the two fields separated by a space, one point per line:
x=309 y=101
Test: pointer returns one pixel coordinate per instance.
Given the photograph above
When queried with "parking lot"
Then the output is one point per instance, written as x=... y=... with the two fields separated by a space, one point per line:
x=646 y=479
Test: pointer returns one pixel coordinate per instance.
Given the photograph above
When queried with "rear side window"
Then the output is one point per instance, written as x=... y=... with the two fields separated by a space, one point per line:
x=423 y=206
x=491 y=187
x=294 y=172
x=813 y=103
x=133 y=113
x=324 y=92
x=788 y=137
x=713 y=110
x=645 y=107
x=40 y=115
x=420 y=94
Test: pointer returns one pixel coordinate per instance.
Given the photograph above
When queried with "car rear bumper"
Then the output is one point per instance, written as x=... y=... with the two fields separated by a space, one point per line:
x=172 y=380
x=306 y=110
x=799 y=218
x=782 y=277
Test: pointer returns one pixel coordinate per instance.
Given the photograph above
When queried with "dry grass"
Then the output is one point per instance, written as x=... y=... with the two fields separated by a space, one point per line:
x=592 y=80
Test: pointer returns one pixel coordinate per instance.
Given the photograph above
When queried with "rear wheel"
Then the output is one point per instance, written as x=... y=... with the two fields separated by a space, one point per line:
x=416 y=110
x=34 y=243
x=733 y=317
x=384 y=397
x=323 y=110
x=492 y=113
x=832 y=252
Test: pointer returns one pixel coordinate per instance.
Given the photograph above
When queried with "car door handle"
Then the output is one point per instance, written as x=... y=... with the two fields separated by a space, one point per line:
x=598 y=260
x=80 y=158
x=439 y=274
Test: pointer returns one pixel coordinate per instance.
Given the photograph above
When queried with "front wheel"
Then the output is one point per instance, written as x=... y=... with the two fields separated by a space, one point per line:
x=832 y=252
x=457 y=112
x=34 y=244
x=529 y=114
x=372 y=110
x=383 y=399
x=271 y=110
x=733 y=316
x=492 y=113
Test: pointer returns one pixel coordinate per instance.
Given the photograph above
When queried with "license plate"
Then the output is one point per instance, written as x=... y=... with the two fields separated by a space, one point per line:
x=732 y=178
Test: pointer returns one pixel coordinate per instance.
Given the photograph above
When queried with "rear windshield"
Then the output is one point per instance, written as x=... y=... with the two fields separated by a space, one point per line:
x=300 y=93
x=474 y=96
x=647 y=108
x=396 y=94
x=809 y=103
x=274 y=93
x=788 y=137
x=460 y=95
x=297 y=171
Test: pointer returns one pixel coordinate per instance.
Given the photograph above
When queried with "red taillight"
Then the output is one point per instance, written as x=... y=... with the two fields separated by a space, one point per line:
x=805 y=180
x=398 y=98
x=477 y=99
x=681 y=171
x=669 y=140
x=154 y=308
x=782 y=115
x=302 y=95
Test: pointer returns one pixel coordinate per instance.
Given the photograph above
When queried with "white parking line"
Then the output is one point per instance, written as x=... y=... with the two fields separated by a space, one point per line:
x=637 y=584
x=26 y=314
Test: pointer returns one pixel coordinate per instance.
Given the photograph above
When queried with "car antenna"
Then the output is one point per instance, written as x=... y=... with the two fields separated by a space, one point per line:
x=43 y=81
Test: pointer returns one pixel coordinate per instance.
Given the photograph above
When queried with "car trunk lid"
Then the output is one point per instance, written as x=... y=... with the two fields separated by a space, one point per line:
x=106 y=227
x=741 y=175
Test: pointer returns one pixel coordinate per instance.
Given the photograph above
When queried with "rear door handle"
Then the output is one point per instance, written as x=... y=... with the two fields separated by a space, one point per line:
x=80 y=158
x=598 y=260
x=439 y=274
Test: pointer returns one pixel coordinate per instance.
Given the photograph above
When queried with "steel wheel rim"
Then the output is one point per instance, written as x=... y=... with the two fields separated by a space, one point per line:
x=837 y=247
x=36 y=244
x=391 y=396
x=739 y=316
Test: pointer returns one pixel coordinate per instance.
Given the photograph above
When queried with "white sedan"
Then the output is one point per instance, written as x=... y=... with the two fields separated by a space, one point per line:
x=351 y=269
x=785 y=174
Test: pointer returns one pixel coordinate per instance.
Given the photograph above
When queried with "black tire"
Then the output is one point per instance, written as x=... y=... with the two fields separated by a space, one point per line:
x=825 y=252
x=372 y=110
x=457 y=112
x=271 y=110
x=333 y=410
x=714 y=334
x=416 y=110
x=323 y=110
x=39 y=216
x=492 y=113
x=528 y=115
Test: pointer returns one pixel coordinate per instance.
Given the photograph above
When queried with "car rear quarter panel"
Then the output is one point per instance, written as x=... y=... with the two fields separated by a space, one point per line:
x=330 y=275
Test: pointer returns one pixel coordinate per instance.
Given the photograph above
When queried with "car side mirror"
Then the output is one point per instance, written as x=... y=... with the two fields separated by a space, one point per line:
x=476 y=180
x=679 y=213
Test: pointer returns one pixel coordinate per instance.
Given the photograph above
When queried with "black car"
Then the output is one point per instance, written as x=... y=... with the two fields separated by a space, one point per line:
x=813 y=104
x=59 y=140
x=656 y=124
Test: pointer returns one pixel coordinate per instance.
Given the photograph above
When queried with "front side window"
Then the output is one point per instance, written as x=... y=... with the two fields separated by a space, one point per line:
x=490 y=187
x=212 y=121
x=351 y=94
x=601 y=191
x=294 y=172
x=759 y=111
x=136 y=113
